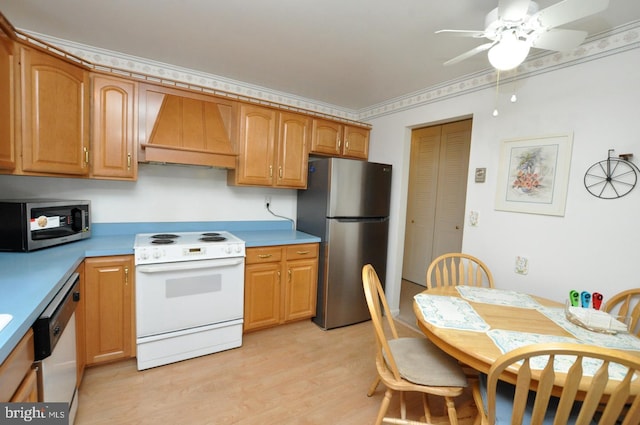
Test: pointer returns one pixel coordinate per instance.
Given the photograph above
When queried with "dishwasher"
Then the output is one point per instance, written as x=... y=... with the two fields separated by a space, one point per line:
x=55 y=348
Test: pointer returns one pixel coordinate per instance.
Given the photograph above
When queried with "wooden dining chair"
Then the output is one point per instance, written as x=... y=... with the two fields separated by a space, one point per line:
x=591 y=377
x=626 y=303
x=409 y=364
x=455 y=269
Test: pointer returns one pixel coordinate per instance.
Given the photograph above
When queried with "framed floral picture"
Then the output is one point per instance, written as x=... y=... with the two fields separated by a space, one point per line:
x=533 y=175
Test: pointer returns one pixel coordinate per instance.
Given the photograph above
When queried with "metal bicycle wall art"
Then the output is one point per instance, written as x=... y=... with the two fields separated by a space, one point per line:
x=613 y=177
x=533 y=175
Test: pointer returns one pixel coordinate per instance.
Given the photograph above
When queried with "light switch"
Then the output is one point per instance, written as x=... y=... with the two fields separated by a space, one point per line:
x=473 y=218
x=522 y=265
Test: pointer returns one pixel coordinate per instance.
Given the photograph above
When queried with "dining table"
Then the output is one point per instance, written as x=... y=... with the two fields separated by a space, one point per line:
x=476 y=325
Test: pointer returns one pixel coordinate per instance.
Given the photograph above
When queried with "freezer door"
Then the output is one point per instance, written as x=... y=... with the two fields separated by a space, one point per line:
x=350 y=245
x=359 y=189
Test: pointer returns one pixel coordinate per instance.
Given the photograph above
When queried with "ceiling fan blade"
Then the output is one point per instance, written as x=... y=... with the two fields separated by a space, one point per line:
x=512 y=10
x=559 y=39
x=462 y=33
x=468 y=54
x=568 y=11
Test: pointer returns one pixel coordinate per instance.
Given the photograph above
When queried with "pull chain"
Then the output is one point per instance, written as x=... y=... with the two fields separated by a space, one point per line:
x=495 y=110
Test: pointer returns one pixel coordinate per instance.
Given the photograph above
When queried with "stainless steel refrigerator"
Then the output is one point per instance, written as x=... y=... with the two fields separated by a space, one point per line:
x=346 y=204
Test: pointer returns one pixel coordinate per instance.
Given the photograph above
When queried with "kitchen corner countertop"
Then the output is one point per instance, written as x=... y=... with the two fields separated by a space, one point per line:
x=29 y=281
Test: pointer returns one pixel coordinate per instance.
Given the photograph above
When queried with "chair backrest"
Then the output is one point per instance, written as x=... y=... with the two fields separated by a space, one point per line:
x=455 y=269
x=593 y=381
x=626 y=303
x=377 y=303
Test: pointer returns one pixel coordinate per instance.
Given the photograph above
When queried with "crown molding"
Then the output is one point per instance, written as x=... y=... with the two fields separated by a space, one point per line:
x=618 y=40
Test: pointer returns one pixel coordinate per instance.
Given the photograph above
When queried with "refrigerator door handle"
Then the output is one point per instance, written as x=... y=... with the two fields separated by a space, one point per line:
x=359 y=219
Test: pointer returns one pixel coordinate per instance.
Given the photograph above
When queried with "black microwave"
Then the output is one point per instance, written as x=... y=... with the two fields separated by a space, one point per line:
x=27 y=225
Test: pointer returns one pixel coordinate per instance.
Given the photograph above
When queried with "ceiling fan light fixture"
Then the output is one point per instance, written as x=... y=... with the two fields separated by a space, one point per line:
x=508 y=53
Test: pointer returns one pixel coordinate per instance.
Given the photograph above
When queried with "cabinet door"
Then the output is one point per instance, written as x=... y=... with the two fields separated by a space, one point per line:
x=356 y=142
x=326 y=137
x=262 y=295
x=55 y=120
x=113 y=135
x=27 y=392
x=109 y=308
x=7 y=112
x=300 y=289
x=293 y=136
x=81 y=332
x=257 y=146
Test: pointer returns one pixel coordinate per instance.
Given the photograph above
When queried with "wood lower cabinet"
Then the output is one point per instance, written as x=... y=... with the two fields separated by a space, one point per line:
x=280 y=285
x=54 y=115
x=109 y=309
x=18 y=381
x=273 y=148
x=113 y=128
x=332 y=138
x=81 y=330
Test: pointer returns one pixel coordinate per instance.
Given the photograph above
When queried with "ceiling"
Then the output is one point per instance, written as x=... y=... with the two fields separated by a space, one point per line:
x=349 y=53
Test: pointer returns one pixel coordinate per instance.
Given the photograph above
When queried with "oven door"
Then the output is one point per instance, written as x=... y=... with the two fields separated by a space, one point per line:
x=183 y=295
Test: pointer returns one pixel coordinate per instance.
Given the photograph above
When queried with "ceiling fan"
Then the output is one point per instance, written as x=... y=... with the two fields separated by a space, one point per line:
x=517 y=25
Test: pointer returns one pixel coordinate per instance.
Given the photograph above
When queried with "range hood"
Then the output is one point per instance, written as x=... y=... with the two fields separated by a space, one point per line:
x=179 y=127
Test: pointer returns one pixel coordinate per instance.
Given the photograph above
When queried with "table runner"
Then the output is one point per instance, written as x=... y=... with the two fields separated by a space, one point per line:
x=620 y=341
x=510 y=340
x=497 y=296
x=450 y=312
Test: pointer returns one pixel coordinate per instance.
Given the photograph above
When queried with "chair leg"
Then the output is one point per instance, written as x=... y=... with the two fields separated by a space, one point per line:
x=384 y=406
x=374 y=386
x=403 y=406
x=451 y=410
x=427 y=409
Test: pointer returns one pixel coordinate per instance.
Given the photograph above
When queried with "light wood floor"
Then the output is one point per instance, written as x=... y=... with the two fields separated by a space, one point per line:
x=292 y=374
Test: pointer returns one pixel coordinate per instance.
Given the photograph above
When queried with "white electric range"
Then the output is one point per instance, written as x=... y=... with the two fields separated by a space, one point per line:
x=189 y=295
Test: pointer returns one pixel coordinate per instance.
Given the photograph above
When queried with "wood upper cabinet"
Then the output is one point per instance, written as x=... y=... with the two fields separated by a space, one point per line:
x=109 y=309
x=280 y=285
x=113 y=136
x=333 y=138
x=54 y=114
x=184 y=127
x=273 y=148
x=7 y=110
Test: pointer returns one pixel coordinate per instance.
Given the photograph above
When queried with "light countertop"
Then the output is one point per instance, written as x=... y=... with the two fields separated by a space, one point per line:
x=29 y=281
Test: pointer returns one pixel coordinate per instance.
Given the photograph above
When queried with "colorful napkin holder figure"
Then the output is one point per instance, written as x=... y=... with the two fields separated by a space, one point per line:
x=585 y=299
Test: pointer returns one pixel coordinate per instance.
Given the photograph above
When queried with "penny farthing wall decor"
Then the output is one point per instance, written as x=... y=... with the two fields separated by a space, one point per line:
x=613 y=177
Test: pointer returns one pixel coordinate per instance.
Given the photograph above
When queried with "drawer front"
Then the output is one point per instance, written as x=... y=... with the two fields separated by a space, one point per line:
x=267 y=254
x=296 y=252
x=16 y=367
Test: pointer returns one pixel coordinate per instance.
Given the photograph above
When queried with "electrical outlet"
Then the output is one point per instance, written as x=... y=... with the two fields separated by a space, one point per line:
x=267 y=201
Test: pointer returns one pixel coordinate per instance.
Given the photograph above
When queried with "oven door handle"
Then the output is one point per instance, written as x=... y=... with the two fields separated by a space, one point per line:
x=189 y=265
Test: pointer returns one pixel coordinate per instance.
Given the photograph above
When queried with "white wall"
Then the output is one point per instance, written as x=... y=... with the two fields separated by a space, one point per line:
x=596 y=244
x=162 y=193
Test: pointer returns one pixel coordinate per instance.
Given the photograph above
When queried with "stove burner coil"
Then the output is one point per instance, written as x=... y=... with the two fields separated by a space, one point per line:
x=211 y=234
x=213 y=238
x=162 y=236
x=162 y=241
